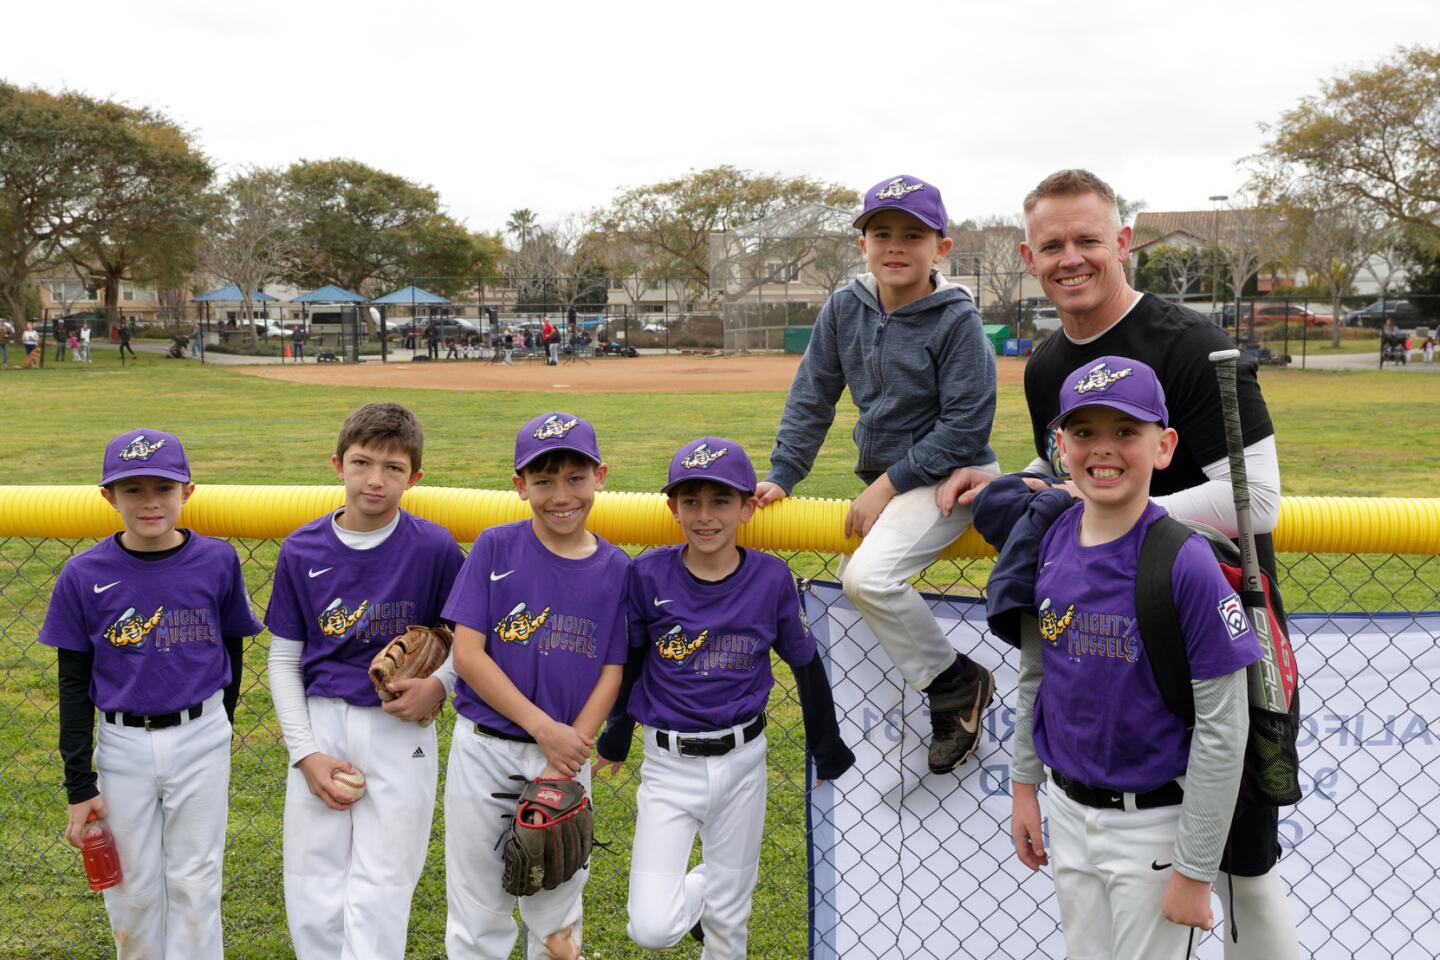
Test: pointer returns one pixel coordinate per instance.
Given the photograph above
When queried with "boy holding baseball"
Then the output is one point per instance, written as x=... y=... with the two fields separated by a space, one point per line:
x=909 y=346
x=1139 y=807
x=360 y=792
x=704 y=617
x=539 y=613
x=148 y=626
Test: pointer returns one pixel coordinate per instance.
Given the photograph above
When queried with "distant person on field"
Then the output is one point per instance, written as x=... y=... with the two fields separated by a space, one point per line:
x=85 y=340
x=197 y=341
x=30 y=339
x=125 y=342
x=7 y=335
x=297 y=340
x=60 y=339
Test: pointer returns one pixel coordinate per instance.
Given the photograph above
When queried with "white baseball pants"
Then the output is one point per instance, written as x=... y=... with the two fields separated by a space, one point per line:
x=167 y=793
x=350 y=875
x=1106 y=881
x=723 y=798
x=907 y=537
x=480 y=923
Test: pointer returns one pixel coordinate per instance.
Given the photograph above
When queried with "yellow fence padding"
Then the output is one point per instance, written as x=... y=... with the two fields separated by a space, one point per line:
x=1307 y=524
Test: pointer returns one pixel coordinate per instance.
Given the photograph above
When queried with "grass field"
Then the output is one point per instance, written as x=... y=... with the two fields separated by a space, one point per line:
x=1364 y=434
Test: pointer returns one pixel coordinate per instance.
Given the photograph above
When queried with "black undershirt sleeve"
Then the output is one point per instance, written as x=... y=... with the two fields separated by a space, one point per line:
x=235 y=649
x=77 y=724
x=822 y=733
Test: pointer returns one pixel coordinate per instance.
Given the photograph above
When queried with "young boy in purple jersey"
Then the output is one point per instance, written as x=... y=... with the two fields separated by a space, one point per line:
x=149 y=626
x=345 y=585
x=539 y=618
x=1140 y=806
x=704 y=617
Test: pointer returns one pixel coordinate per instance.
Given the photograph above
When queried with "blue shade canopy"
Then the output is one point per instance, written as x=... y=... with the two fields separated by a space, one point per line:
x=329 y=294
x=409 y=295
x=232 y=294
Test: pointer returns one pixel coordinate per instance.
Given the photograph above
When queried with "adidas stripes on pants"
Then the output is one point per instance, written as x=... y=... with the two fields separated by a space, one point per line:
x=349 y=875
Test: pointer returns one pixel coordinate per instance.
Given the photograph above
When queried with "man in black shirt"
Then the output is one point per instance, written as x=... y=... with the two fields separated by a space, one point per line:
x=1076 y=245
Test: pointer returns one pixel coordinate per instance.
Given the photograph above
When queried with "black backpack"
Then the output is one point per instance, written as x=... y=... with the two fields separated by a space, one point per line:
x=1271 y=776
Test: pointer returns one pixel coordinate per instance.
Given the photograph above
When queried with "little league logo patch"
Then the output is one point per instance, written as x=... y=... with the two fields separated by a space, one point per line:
x=130 y=630
x=674 y=645
x=336 y=619
x=1233 y=613
x=1052 y=626
x=554 y=428
x=520 y=624
x=1100 y=377
x=897 y=189
x=702 y=456
x=141 y=449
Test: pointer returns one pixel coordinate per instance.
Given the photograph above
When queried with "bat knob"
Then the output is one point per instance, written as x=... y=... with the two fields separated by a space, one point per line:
x=1220 y=356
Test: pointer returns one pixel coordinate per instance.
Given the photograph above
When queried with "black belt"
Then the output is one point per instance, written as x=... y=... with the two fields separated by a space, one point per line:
x=485 y=731
x=1106 y=799
x=710 y=746
x=158 y=721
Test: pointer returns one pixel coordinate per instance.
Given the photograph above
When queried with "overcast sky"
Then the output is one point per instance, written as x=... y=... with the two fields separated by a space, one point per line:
x=556 y=106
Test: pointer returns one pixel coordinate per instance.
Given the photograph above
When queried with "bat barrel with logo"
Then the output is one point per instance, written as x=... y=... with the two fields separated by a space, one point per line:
x=1266 y=684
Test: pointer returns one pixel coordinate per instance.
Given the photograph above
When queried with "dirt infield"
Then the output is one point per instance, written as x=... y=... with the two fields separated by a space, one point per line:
x=650 y=374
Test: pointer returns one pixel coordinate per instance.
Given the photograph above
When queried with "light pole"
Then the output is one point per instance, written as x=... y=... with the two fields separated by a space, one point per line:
x=1217 y=199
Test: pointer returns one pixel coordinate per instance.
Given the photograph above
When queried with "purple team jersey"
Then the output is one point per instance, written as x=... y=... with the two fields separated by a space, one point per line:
x=707 y=664
x=345 y=604
x=1099 y=717
x=154 y=626
x=550 y=623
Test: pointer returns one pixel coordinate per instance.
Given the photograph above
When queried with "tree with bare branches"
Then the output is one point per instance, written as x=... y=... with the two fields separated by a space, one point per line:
x=254 y=237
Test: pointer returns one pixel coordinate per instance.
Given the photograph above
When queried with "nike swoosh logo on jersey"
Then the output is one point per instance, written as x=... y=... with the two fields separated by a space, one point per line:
x=315 y=573
x=1156 y=865
x=99 y=589
x=661 y=603
x=499 y=576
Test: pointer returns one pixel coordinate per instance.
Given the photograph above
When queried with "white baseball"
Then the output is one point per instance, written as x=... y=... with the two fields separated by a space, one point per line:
x=351 y=785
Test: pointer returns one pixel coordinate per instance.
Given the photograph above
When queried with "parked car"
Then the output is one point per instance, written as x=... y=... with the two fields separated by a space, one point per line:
x=448 y=328
x=1403 y=312
x=1045 y=320
x=1265 y=313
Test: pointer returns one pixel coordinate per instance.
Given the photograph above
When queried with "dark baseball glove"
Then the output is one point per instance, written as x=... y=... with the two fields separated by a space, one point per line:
x=416 y=653
x=550 y=838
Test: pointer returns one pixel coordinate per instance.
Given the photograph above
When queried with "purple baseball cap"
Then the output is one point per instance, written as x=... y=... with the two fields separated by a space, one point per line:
x=144 y=453
x=910 y=194
x=555 y=431
x=1117 y=382
x=715 y=459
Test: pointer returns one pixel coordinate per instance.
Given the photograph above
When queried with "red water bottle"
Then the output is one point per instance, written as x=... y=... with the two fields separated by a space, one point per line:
x=102 y=860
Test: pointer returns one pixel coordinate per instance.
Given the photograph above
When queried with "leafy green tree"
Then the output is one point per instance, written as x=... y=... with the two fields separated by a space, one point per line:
x=673 y=220
x=1373 y=136
x=368 y=230
x=48 y=183
x=522 y=225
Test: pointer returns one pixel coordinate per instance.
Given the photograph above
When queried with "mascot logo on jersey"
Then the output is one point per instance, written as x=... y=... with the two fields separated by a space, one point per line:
x=553 y=428
x=678 y=647
x=520 y=624
x=130 y=630
x=702 y=456
x=897 y=189
x=337 y=619
x=1100 y=378
x=1052 y=626
x=141 y=449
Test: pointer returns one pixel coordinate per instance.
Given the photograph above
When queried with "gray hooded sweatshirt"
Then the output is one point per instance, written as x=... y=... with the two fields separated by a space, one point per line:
x=923 y=379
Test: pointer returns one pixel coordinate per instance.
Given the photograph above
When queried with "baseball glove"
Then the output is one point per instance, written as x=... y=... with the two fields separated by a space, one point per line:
x=550 y=837
x=416 y=653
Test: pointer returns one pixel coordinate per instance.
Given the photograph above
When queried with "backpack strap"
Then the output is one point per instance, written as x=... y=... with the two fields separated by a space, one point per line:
x=1159 y=623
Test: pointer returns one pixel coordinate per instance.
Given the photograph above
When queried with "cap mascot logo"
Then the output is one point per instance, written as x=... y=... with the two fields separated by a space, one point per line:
x=554 y=428
x=141 y=449
x=1100 y=377
x=520 y=624
x=702 y=456
x=676 y=646
x=336 y=619
x=130 y=630
x=897 y=189
x=1051 y=626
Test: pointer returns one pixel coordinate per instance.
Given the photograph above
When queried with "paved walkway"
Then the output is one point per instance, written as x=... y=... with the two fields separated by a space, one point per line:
x=1356 y=361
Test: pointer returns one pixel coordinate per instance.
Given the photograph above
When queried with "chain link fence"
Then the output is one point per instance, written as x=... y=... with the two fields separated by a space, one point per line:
x=47 y=911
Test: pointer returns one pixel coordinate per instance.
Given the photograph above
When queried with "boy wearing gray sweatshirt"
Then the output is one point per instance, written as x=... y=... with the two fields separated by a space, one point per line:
x=910 y=347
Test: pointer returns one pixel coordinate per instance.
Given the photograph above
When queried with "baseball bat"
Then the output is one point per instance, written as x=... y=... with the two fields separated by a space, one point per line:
x=1267 y=686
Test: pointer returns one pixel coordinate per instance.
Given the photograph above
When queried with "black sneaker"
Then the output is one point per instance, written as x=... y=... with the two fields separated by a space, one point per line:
x=955 y=713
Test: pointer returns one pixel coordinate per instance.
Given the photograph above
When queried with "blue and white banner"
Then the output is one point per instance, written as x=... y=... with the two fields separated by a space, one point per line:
x=906 y=864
